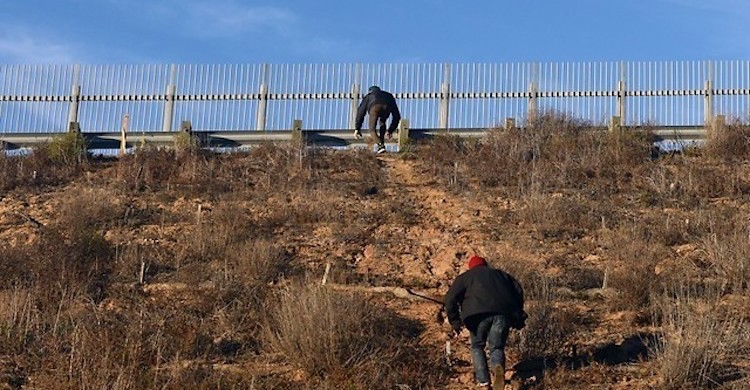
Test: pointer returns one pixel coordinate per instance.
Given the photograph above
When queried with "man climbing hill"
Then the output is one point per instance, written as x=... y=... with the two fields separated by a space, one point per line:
x=488 y=302
x=378 y=105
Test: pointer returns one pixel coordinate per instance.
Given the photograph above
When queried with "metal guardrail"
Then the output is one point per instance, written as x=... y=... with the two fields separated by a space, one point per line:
x=325 y=138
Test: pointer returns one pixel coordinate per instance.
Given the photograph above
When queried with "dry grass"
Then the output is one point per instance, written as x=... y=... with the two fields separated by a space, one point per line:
x=729 y=143
x=37 y=170
x=553 y=152
x=729 y=256
x=74 y=312
x=345 y=340
x=654 y=221
x=699 y=348
x=633 y=271
x=549 y=329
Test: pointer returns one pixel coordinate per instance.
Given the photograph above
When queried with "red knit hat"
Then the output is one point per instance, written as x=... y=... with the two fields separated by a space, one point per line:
x=476 y=261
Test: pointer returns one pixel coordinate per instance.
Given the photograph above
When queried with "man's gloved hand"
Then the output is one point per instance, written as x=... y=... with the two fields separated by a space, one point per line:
x=357 y=134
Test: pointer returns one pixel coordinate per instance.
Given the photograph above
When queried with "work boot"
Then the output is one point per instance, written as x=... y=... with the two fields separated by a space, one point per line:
x=499 y=371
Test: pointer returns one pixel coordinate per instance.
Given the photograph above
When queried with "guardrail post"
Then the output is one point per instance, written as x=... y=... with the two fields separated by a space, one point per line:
x=169 y=101
x=75 y=97
x=260 y=120
x=355 y=92
x=445 y=92
x=74 y=127
x=615 y=124
x=297 y=135
x=403 y=134
x=124 y=134
x=718 y=124
x=709 y=103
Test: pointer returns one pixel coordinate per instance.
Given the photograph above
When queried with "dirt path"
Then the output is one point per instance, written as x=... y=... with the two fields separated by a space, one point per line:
x=430 y=253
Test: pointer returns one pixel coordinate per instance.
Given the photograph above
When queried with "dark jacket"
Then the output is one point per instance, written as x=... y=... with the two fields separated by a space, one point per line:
x=378 y=96
x=482 y=290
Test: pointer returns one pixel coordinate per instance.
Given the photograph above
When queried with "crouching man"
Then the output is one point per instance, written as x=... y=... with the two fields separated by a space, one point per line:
x=488 y=302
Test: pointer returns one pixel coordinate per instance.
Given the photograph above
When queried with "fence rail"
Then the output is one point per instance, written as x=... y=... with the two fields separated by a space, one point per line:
x=261 y=97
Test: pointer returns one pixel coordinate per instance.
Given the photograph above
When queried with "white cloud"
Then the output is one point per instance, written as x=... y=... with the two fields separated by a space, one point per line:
x=229 y=18
x=21 y=47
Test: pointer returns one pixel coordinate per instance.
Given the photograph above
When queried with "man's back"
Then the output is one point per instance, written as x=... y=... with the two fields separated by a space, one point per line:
x=380 y=105
x=380 y=96
x=483 y=290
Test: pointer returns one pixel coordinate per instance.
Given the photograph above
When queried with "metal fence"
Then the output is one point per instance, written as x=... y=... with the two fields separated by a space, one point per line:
x=45 y=98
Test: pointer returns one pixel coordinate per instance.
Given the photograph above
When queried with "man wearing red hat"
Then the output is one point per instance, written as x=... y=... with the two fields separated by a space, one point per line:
x=488 y=302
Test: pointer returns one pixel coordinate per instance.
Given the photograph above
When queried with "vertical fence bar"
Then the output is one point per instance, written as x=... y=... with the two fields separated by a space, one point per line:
x=75 y=97
x=533 y=103
x=445 y=91
x=354 y=98
x=708 y=96
x=169 y=101
x=260 y=120
x=621 y=94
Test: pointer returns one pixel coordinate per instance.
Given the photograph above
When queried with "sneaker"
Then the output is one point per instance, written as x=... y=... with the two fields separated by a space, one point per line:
x=381 y=149
x=357 y=134
x=499 y=377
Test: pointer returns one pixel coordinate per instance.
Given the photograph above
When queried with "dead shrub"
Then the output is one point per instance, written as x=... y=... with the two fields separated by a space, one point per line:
x=37 y=170
x=215 y=231
x=265 y=171
x=729 y=255
x=690 y=181
x=20 y=319
x=634 y=279
x=345 y=339
x=255 y=262
x=187 y=172
x=698 y=349
x=729 y=143
x=132 y=342
x=554 y=151
x=548 y=328
x=558 y=216
x=447 y=157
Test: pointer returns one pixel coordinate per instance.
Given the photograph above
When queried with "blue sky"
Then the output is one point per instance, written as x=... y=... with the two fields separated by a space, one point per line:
x=325 y=31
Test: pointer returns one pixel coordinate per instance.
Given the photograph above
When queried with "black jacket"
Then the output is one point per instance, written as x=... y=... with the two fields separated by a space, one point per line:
x=378 y=96
x=482 y=290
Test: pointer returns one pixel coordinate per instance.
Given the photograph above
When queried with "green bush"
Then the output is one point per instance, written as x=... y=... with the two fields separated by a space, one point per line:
x=68 y=148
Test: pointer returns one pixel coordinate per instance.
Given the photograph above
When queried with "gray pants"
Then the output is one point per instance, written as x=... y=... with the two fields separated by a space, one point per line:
x=378 y=116
x=492 y=331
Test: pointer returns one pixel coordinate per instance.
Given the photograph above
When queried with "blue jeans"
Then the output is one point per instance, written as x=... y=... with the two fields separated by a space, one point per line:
x=492 y=330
